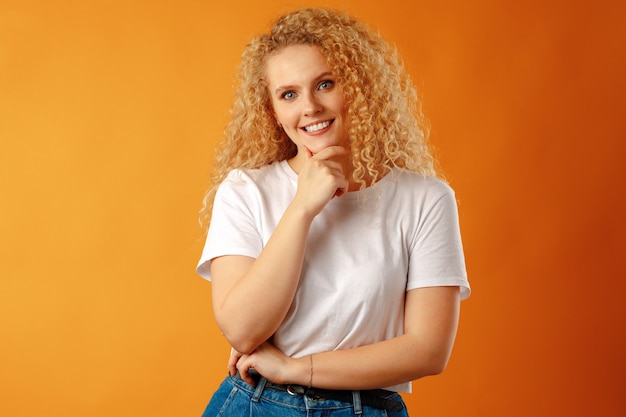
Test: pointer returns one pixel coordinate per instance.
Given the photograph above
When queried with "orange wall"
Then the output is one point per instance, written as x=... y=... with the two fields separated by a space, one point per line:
x=109 y=112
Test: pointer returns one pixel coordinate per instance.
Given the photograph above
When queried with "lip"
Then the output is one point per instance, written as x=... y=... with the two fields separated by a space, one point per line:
x=330 y=123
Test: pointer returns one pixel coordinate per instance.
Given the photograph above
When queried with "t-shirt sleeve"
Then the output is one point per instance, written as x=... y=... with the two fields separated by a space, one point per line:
x=436 y=256
x=233 y=229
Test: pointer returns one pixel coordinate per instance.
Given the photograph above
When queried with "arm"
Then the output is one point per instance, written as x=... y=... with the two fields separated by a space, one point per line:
x=252 y=296
x=431 y=317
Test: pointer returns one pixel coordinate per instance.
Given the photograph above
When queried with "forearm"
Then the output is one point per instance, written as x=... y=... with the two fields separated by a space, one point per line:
x=251 y=311
x=431 y=320
x=378 y=365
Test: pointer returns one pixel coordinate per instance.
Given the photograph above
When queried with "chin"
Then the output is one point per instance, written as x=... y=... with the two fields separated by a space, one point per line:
x=318 y=147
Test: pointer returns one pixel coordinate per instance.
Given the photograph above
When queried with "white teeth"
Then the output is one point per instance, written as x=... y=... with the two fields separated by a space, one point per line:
x=316 y=127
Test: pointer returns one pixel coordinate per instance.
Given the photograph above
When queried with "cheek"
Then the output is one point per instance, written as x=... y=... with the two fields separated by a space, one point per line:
x=339 y=105
x=286 y=116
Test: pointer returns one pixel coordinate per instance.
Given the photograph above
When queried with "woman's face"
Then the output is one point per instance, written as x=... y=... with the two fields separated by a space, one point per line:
x=306 y=100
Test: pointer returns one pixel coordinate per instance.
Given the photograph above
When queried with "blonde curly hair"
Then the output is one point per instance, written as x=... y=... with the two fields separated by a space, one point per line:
x=386 y=125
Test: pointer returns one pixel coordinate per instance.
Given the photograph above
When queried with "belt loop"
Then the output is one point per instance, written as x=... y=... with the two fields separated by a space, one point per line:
x=356 y=402
x=260 y=386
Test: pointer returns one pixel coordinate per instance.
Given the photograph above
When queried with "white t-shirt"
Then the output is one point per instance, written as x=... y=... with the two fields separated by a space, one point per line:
x=364 y=251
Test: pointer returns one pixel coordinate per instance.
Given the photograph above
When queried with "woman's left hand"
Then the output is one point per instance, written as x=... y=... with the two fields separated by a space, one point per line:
x=266 y=360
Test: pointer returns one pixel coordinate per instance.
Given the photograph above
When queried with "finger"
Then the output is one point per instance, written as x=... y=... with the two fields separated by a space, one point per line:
x=331 y=152
x=308 y=152
x=232 y=366
x=243 y=372
x=335 y=167
x=341 y=190
x=232 y=362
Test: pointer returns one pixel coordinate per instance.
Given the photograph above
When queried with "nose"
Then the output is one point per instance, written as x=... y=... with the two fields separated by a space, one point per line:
x=311 y=105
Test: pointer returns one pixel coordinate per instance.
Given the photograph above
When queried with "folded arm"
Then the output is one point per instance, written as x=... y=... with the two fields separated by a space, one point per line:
x=431 y=318
x=251 y=297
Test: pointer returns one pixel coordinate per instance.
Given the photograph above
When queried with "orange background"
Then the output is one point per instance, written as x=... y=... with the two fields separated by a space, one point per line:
x=109 y=112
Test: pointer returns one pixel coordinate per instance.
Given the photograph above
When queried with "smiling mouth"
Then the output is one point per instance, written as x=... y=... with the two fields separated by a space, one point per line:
x=317 y=126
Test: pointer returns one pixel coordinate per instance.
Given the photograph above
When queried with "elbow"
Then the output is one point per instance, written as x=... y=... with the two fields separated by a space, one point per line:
x=243 y=345
x=239 y=338
x=429 y=369
x=435 y=364
x=436 y=367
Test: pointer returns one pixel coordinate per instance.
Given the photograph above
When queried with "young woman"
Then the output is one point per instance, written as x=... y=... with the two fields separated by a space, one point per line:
x=333 y=249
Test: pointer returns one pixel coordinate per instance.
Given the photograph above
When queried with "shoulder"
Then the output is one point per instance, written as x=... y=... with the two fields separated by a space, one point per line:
x=404 y=191
x=259 y=186
x=418 y=185
x=256 y=177
x=251 y=174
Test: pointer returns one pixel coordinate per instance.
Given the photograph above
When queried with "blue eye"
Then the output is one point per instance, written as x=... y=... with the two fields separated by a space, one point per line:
x=324 y=85
x=288 y=95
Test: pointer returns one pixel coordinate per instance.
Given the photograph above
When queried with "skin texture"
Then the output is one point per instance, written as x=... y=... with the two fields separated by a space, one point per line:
x=304 y=93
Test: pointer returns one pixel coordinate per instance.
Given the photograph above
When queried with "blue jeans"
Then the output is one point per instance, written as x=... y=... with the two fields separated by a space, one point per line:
x=235 y=398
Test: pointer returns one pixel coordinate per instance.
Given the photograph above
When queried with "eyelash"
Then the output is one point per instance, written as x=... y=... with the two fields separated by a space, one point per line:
x=328 y=84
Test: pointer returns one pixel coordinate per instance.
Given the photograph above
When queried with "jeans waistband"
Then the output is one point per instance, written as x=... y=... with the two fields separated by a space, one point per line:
x=376 y=398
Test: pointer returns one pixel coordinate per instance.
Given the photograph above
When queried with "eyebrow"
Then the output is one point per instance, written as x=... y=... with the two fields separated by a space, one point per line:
x=323 y=75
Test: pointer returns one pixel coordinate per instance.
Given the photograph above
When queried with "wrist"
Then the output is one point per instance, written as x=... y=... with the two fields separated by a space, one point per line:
x=299 y=213
x=300 y=371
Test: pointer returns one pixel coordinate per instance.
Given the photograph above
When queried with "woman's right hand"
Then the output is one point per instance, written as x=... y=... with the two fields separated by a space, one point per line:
x=320 y=179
